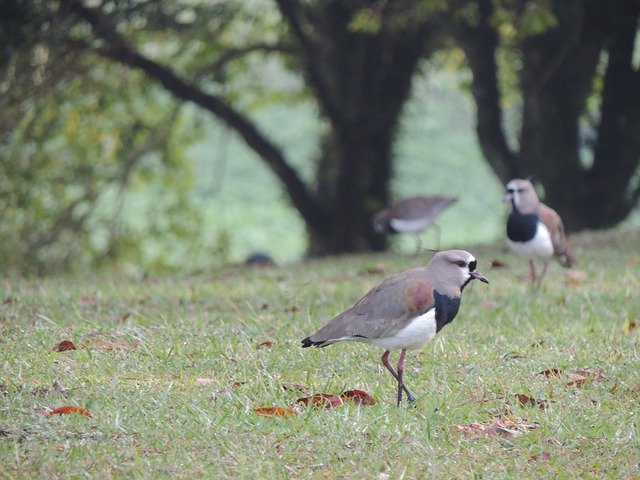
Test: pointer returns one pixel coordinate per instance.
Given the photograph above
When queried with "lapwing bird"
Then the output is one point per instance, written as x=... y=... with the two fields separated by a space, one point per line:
x=412 y=215
x=405 y=311
x=534 y=230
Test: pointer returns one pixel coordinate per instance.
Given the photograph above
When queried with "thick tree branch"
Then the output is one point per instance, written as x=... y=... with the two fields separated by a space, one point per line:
x=312 y=64
x=232 y=54
x=117 y=49
x=616 y=156
x=480 y=43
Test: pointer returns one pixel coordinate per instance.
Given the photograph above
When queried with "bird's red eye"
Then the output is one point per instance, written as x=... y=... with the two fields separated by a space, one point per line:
x=461 y=264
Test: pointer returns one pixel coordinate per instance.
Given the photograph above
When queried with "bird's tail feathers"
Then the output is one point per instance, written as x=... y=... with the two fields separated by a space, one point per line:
x=307 y=342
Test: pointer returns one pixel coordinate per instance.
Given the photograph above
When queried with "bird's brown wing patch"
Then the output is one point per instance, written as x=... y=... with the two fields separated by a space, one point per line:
x=389 y=307
x=553 y=222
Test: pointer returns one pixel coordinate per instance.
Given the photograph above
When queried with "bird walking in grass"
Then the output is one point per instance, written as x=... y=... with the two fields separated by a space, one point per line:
x=534 y=230
x=412 y=215
x=405 y=311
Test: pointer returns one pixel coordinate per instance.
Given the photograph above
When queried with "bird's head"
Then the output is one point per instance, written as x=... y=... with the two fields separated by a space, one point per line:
x=457 y=267
x=522 y=196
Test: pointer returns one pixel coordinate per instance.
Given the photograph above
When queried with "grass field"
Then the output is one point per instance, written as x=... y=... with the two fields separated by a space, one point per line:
x=170 y=370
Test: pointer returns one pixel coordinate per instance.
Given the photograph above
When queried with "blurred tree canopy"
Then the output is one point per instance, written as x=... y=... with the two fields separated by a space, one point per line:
x=92 y=92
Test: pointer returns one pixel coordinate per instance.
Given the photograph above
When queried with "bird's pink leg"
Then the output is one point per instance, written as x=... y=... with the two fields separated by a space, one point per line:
x=385 y=362
x=544 y=271
x=532 y=271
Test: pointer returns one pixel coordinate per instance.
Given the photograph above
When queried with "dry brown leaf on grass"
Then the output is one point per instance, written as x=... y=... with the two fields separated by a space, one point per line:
x=359 y=397
x=580 y=377
x=265 y=344
x=527 y=401
x=577 y=378
x=495 y=263
x=275 y=411
x=551 y=372
x=64 y=345
x=319 y=400
x=62 y=410
x=505 y=427
x=326 y=400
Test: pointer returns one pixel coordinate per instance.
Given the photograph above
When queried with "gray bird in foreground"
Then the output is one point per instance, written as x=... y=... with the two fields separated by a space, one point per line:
x=405 y=311
x=412 y=215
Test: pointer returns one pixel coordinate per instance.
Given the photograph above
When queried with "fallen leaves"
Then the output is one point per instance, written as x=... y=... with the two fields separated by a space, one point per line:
x=91 y=344
x=275 y=411
x=359 y=397
x=265 y=344
x=64 y=345
x=527 y=401
x=580 y=377
x=495 y=263
x=504 y=427
x=62 y=410
x=577 y=378
x=551 y=372
x=326 y=401
x=319 y=400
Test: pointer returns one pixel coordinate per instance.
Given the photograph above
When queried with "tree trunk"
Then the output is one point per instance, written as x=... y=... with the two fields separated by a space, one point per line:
x=559 y=67
x=361 y=80
x=617 y=150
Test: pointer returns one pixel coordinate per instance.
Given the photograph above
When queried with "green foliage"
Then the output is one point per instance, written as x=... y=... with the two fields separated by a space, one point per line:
x=366 y=20
x=74 y=164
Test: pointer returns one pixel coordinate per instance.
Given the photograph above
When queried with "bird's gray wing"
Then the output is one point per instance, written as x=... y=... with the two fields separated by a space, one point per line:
x=383 y=311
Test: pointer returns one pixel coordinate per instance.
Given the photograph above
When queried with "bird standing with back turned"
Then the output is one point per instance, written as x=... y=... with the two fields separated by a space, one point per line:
x=405 y=311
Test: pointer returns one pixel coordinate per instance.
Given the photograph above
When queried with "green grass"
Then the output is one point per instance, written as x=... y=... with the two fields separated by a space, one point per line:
x=153 y=418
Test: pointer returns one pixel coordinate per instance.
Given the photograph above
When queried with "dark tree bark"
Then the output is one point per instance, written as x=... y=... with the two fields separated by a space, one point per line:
x=361 y=81
x=556 y=78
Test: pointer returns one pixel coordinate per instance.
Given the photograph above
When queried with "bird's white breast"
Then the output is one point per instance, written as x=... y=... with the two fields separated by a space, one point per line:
x=415 y=225
x=414 y=335
x=540 y=246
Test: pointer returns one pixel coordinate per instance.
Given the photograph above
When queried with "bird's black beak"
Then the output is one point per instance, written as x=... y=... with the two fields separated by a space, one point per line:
x=478 y=276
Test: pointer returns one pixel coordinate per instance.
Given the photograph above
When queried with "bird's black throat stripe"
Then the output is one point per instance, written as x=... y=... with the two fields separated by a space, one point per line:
x=520 y=227
x=446 y=309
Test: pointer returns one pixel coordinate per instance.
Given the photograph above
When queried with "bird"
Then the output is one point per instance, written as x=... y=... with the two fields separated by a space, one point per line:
x=534 y=230
x=405 y=311
x=412 y=215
